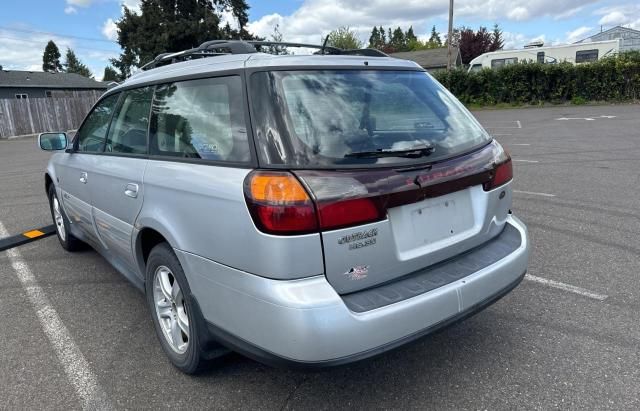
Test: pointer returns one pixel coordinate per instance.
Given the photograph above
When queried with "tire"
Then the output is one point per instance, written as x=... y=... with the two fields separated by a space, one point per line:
x=170 y=307
x=60 y=220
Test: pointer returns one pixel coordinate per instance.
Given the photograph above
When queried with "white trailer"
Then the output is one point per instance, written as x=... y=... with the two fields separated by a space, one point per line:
x=572 y=53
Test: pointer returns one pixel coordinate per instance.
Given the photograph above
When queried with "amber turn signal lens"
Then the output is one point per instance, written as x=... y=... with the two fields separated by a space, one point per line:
x=277 y=188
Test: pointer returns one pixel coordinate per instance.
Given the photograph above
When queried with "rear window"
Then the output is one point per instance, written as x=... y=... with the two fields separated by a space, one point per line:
x=319 y=119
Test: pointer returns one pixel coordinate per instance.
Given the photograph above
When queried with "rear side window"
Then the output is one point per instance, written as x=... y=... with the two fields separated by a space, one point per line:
x=200 y=119
x=586 y=56
x=320 y=119
x=92 y=134
x=128 y=131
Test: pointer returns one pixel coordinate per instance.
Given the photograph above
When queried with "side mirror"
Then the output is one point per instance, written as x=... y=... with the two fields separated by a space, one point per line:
x=52 y=141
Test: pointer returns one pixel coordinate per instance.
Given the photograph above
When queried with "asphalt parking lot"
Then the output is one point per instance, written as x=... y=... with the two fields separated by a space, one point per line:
x=568 y=337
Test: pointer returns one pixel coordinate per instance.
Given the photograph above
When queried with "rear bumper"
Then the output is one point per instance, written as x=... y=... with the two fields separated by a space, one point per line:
x=306 y=323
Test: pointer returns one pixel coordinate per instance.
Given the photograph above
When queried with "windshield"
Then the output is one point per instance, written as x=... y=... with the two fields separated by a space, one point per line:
x=319 y=119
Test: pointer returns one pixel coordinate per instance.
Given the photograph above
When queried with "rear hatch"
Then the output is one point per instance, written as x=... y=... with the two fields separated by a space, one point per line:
x=401 y=176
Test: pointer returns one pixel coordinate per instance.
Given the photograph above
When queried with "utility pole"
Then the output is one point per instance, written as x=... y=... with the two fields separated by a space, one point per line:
x=450 y=35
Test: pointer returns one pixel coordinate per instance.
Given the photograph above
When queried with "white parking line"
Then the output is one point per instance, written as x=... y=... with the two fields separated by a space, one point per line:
x=519 y=144
x=75 y=365
x=533 y=193
x=524 y=161
x=566 y=287
x=519 y=123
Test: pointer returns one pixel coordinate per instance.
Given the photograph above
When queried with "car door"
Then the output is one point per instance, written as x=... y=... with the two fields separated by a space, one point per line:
x=74 y=172
x=117 y=186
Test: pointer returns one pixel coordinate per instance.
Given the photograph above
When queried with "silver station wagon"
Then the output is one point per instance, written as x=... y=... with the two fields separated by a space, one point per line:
x=301 y=210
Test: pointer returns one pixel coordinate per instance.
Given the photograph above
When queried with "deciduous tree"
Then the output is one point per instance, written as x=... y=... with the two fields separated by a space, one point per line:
x=344 y=38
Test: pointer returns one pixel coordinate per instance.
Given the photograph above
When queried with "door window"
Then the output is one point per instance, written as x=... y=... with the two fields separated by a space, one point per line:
x=128 y=131
x=200 y=119
x=93 y=131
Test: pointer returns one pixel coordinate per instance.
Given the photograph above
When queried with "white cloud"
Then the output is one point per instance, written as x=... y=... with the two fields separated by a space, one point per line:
x=81 y=3
x=569 y=13
x=578 y=34
x=70 y=10
x=315 y=18
x=627 y=15
x=613 y=18
x=227 y=17
x=110 y=30
x=24 y=51
x=518 y=14
x=133 y=5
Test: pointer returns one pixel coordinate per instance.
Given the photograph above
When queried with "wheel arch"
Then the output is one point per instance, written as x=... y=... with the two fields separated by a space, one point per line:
x=149 y=234
x=47 y=182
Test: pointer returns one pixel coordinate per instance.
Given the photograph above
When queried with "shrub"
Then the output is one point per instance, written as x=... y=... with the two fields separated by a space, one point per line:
x=609 y=79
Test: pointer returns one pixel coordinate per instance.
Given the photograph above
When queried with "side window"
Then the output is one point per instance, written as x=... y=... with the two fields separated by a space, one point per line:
x=497 y=63
x=202 y=119
x=586 y=56
x=92 y=134
x=128 y=131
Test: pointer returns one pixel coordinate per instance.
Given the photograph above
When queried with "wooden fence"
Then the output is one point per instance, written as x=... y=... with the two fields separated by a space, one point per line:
x=37 y=115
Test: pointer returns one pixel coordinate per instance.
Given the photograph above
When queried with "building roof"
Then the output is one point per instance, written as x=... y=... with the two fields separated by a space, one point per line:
x=430 y=58
x=612 y=30
x=15 y=78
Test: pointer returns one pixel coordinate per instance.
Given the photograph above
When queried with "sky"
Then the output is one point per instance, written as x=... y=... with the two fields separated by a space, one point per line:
x=88 y=26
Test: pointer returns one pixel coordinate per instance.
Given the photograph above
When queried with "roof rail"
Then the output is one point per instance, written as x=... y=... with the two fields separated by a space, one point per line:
x=222 y=47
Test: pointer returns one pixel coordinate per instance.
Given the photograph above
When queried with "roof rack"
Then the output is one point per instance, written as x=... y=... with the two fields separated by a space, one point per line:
x=223 y=47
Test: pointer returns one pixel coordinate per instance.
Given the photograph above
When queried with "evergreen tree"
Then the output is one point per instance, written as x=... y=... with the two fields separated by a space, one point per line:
x=73 y=65
x=398 y=41
x=110 y=74
x=174 y=25
x=434 y=40
x=497 y=42
x=409 y=36
x=383 y=36
x=51 y=58
x=374 y=39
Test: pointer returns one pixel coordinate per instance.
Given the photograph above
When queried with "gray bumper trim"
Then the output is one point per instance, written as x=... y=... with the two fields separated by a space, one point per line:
x=256 y=353
x=437 y=275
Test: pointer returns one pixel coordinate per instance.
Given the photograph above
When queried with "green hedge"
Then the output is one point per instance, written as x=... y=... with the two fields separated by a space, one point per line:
x=609 y=79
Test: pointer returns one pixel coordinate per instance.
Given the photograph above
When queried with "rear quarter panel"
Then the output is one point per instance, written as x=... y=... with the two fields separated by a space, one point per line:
x=201 y=209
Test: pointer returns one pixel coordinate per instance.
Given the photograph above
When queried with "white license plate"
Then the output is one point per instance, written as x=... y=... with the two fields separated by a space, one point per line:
x=443 y=217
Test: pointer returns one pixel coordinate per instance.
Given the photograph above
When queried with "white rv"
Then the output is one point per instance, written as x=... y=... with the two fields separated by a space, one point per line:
x=537 y=53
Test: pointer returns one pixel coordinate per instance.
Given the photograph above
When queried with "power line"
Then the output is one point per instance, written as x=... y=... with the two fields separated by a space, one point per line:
x=57 y=35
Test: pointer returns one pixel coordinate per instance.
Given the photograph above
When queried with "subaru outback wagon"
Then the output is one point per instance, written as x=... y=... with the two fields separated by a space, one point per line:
x=301 y=210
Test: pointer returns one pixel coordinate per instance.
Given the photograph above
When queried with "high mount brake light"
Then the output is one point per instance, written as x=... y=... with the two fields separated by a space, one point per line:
x=502 y=174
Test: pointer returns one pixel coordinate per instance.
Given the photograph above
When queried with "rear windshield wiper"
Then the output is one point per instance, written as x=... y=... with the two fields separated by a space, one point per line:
x=418 y=151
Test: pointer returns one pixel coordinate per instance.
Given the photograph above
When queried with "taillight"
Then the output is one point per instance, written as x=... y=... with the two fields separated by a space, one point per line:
x=502 y=174
x=279 y=204
x=345 y=213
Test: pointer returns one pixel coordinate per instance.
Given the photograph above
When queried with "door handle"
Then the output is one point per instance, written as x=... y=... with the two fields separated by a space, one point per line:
x=83 y=178
x=131 y=190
